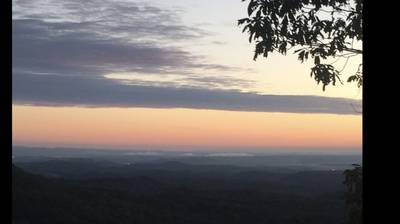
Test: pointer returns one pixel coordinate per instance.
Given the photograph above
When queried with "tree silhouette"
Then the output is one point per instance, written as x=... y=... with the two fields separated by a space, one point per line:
x=314 y=29
x=353 y=182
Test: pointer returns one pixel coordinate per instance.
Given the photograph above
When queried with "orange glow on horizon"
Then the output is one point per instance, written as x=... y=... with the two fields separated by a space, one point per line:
x=182 y=127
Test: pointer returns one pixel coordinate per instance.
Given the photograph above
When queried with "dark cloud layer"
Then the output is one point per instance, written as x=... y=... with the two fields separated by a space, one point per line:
x=89 y=92
x=36 y=48
x=102 y=36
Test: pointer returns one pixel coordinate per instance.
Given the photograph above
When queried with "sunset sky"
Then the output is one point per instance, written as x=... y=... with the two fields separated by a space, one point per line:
x=166 y=74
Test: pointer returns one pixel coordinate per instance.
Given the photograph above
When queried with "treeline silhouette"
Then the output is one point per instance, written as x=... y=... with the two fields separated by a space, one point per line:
x=176 y=193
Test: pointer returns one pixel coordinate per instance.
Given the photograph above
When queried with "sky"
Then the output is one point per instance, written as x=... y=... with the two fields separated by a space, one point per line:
x=165 y=74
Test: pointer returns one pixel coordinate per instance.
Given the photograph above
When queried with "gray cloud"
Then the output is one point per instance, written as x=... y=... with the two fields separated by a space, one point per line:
x=37 y=46
x=103 y=36
x=62 y=45
x=108 y=18
x=74 y=38
x=219 y=42
x=218 y=81
x=99 y=92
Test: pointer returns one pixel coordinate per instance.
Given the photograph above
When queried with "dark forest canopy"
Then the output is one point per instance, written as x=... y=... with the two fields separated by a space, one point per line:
x=176 y=193
x=314 y=29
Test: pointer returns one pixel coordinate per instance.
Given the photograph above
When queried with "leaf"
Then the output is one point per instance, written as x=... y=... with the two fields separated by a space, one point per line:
x=244 y=20
x=317 y=60
x=291 y=17
x=301 y=56
x=251 y=7
x=285 y=21
x=298 y=50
